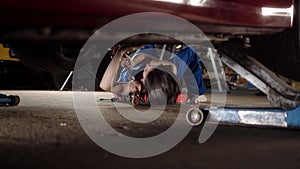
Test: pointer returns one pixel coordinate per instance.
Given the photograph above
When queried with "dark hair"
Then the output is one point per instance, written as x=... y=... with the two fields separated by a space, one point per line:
x=159 y=85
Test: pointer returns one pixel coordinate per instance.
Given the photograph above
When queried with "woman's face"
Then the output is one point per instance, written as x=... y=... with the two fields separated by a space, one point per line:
x=136 y=86
x=147 y=69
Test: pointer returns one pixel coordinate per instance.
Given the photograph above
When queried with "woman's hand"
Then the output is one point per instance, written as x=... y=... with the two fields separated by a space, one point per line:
x=126 y=62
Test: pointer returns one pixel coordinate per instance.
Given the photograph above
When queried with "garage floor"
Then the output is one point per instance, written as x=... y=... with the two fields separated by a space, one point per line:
x=43 y=132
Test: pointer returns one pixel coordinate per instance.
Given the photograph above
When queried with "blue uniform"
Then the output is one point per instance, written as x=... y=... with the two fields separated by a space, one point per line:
x=187 y=56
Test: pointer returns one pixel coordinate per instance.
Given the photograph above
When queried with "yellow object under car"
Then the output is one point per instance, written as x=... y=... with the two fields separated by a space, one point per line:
x=4 y=54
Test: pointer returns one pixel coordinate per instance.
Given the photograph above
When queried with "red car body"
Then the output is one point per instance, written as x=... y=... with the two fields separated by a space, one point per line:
x=95 y=13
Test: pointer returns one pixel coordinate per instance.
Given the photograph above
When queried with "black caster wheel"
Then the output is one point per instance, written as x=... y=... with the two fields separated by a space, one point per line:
x=14 y=100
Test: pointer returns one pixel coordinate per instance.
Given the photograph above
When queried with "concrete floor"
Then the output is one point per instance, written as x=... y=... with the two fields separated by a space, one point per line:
x=43 y=132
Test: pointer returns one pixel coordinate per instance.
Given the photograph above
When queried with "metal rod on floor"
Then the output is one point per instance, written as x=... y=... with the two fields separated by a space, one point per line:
x=63 y=86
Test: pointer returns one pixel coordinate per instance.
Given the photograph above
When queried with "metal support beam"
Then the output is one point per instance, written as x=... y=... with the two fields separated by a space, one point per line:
x=245 y=73
x=279 y=93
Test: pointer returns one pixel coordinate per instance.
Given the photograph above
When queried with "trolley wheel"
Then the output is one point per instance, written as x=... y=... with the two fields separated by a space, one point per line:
x=194 y=116
x=15 y=100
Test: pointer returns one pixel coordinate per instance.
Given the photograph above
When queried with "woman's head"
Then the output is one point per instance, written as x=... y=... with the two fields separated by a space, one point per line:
x=160 y=87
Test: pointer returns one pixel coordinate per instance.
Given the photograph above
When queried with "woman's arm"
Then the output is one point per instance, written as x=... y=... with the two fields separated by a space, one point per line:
x=109 y=76
x=109 y=83
x=157 y=62
x=148 y=59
